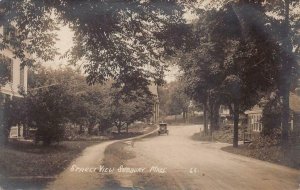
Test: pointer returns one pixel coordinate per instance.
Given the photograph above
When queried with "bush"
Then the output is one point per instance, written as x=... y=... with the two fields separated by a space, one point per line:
x=271 y=117
x=49 y=133
x=272 y=139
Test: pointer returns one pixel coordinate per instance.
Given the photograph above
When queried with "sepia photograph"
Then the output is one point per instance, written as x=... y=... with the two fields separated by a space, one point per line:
x=149 y=94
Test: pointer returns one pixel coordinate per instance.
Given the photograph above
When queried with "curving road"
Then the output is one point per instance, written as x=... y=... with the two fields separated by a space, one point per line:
x=200 y=165
x=189 y=164
x=90 y=159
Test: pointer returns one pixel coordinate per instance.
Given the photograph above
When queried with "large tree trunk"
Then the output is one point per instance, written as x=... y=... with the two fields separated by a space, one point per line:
x=81 y=129
x=211 y=120
x=119 y=126
x=184 y=116
x=100 y=130
x=286 y=70
x=90 y=129
x=6 y=135
x=205 y=118
x=236 y=125
x=285 y=118
x=216 y=116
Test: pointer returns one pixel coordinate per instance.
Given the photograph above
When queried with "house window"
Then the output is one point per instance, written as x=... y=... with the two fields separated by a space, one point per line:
x=8 y=32
x=11 y=67
x=22 y=74
x=6 y=69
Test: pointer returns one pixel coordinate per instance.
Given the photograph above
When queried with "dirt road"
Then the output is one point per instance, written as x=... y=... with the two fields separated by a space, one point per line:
x=182 y=164
x=83 y=172
x=200 y=165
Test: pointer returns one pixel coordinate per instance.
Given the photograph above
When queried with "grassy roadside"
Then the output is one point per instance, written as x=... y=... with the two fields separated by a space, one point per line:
x=261 y=148
x=118 y=154
x=224 y=134
x=273 y=154
x=28 y=159
x=26 y=165
x=133 y=131
x=115 y=155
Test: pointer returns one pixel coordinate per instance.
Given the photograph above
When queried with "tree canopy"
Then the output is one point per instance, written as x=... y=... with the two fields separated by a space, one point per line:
x=117 y=39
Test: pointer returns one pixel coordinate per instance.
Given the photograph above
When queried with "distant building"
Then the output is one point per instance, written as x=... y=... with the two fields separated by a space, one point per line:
x=18 y=78
x=254 y=118
x=224 y=113
x=255 y=114
x=297 y=89
x=154 y=90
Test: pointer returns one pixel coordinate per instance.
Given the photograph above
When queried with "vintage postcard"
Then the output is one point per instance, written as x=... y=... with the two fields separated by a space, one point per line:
x=150 y=94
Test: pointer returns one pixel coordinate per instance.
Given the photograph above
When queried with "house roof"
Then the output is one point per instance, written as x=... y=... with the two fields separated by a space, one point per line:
x=294 y=102
x=255 y=110
x=153 y=89
x=294 y=105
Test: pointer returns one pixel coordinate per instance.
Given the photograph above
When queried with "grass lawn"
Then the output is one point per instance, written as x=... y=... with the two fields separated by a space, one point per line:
x=35 y=165
x=275 y=154
x=260 y=148
x=29 y=166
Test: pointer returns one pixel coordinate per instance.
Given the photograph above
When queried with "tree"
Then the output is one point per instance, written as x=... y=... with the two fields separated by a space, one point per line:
x=30 y=30
x=249 y=60
x=231 y=56
x=52 y=101
x=271 y=115
x=285 y=43
x=201 y=72
x=122 y=110
x=117 y=39
x=179 y=101
x=47 y=106
x=289 y=39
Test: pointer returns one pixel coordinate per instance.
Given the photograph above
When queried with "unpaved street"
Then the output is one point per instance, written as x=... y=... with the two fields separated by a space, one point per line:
x=188 y=164
x=85 y=176
x=200 y=165
x=90 y=158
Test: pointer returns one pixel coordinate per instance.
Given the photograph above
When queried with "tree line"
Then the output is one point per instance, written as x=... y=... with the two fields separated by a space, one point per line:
x=57 y=98
x=240 y=53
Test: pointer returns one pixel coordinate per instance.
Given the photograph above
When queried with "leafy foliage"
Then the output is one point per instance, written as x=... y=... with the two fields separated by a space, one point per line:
x=173 y=98
x=117 y=39
x=236 y=46
x=56 y=98
x=271 y=116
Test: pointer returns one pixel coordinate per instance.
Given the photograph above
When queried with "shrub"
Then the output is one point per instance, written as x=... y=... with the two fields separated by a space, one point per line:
x=271 y=117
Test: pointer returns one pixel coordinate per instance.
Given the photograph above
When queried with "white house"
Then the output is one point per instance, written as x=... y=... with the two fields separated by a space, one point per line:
x=255 y=115
x=224 y=113
x=18 y=79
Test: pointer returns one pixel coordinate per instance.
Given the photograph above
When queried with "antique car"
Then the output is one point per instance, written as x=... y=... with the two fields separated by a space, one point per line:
x=163 y=129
